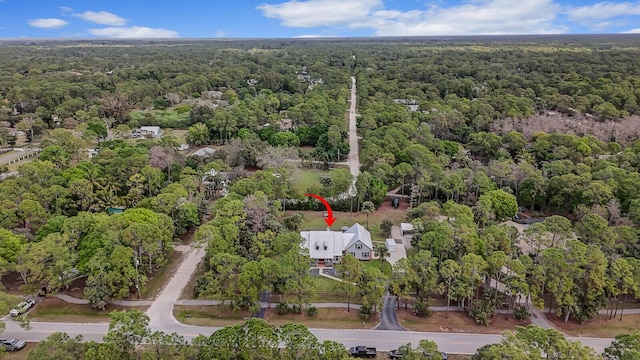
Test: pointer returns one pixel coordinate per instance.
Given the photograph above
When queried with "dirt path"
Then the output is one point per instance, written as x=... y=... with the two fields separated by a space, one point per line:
x=353 y=160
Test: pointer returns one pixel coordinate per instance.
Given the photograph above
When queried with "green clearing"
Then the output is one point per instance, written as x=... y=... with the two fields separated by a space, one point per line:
x=56 y=310
x=304 y=178
x=313 y=220
x=386 y=267
x=324 y=284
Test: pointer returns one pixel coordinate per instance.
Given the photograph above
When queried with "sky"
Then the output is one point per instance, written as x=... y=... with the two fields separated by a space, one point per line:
x=93 y=19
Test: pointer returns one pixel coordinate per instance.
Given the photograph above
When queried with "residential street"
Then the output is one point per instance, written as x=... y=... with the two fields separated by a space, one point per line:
x=161 y=318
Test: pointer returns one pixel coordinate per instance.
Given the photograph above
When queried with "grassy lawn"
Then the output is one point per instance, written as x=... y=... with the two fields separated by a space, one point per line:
x=16 y=166
x=330 y=318
x=325 y=284
x=180 y=135
x=304 y=178
x=386 y=267
x=161 y=277
x=209 y=315
x=458 y=322
x=56 y=310
x=598 y=327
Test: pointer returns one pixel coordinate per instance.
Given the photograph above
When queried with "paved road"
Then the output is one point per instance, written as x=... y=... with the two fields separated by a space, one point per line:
x=388 y=318
x=161 y=311
x=457 y=343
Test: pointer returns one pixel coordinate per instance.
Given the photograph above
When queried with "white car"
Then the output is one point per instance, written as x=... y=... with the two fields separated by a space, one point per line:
x=22 y=308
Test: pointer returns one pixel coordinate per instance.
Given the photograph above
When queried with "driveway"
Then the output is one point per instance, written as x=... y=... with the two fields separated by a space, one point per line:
x=400 y=253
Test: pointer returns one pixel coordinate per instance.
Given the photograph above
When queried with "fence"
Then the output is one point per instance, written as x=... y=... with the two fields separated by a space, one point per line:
x=31 y=154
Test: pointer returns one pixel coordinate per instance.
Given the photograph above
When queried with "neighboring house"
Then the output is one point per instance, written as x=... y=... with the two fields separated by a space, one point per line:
x=151 y=131
x=327 y=247
x=204 y=152
x=91 y=153
x=286 y=124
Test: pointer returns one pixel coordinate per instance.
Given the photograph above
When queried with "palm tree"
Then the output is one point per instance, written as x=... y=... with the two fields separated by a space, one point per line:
x=382 y=252
x=368 y=207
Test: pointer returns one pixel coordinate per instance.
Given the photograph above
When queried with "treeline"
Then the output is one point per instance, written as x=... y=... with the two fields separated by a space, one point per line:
x=55 y=226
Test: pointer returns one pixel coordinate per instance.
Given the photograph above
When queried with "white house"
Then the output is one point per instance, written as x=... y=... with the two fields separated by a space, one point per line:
x=327 y=247
x=151 y=131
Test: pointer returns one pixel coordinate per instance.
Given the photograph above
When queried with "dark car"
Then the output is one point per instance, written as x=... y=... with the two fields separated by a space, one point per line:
x=12 y=344
x=397 y=354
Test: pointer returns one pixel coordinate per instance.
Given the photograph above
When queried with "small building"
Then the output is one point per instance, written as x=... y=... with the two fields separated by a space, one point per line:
x=204 y=152
x=153 y=132
x=91 y=153
x=406 y=228
x=115 y=210
x=391 y=245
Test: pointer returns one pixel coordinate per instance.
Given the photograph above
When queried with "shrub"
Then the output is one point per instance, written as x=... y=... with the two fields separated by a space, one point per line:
x=421 y=309
x=200 y=285
x=482 y=312
x=521 y=313
x=296 y=309
x=282 y=308
x=312 y=311
x=365 y=312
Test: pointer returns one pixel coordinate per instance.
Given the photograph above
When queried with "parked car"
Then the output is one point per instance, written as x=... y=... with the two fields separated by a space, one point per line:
x=22 y=308
x=12 y=344
x=397 y=354
x=363 y=352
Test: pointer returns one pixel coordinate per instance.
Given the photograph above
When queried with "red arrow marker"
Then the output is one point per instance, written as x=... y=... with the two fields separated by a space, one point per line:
x=330 y=219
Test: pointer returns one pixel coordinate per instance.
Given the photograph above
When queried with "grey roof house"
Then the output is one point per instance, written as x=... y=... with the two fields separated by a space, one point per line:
x=327 y=247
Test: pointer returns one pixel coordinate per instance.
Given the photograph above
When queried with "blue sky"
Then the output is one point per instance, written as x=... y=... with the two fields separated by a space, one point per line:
x=310 y=18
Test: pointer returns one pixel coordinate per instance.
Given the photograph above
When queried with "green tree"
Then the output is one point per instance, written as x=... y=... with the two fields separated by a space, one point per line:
x=127 y=329
x=382 y=253
x=350 y=270
x=368 y=208
x=624 y=347
x=503 y=204
x=58 y=346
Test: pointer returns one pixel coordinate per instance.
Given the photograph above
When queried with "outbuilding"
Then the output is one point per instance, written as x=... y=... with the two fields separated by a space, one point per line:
x=406 y=228
x=391 y=245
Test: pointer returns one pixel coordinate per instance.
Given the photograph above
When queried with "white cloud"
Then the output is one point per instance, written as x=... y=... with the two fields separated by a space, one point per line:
x=102 y=18
x=134 y=32
x=602 y=10
x=66 y=9
x=49 y=23
x=632 y=31
x=477 y=17
x=314 y=13
x=220 y=34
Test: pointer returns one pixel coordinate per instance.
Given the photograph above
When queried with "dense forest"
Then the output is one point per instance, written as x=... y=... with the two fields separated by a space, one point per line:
x=477 y=131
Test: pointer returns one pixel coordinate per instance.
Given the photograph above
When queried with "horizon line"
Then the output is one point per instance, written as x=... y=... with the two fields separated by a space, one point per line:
x=313 y=37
